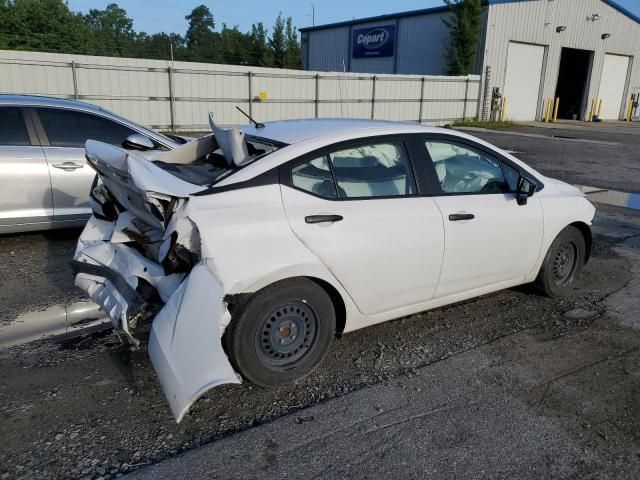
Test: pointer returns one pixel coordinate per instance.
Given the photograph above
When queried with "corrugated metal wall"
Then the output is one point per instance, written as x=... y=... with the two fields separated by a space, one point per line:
x=420 y=47
x=535 y=21
x=141 y=90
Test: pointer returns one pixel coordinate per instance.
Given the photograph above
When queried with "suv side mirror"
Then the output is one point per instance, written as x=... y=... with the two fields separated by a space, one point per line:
x=138 y=141
x=525 y=189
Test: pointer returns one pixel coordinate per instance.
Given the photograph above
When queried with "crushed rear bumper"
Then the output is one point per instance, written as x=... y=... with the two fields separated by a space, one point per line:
x=187 y=310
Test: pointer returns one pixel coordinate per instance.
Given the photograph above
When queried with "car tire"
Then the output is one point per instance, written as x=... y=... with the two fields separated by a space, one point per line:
x=281 y=333
x=563 y=263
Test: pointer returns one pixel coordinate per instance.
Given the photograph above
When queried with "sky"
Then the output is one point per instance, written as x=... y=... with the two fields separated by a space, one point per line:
x=153 y=16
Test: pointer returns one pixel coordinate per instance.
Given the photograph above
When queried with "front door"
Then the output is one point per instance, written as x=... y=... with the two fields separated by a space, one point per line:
x=489 y=237
x=356 y=208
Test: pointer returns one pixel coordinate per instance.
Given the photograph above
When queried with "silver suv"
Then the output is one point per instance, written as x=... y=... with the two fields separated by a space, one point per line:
x=44 y=177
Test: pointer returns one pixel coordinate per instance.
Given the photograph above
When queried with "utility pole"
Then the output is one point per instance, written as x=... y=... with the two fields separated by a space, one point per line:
x=313 y=14
x=171 y=48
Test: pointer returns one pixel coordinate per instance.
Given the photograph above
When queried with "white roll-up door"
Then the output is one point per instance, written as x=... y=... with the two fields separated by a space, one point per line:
x=522 y=80
x=612 y=83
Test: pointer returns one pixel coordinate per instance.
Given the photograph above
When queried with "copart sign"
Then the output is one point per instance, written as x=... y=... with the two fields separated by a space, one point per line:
x=374 y=41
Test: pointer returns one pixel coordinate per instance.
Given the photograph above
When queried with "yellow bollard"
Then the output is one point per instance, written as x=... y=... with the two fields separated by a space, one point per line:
x=592 y=110
x=547 y=113
x=600 y=109
x=555 y=110
x=503 y=109
x=629 y=111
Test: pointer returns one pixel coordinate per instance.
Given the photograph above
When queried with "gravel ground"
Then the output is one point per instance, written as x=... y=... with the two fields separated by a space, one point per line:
x=94 y=408
x=35 y=272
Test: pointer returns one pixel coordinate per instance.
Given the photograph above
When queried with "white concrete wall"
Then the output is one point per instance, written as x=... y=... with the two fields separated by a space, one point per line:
x=140 y=90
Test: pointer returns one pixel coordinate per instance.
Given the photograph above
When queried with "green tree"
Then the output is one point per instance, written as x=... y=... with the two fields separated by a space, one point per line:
x=4 y=15
x=260 y=52
x=235 y=46
x=201 y=39
x=292 y=56
x=44 y=25
x=113 y=32
x=464 y=25
x=278 y=42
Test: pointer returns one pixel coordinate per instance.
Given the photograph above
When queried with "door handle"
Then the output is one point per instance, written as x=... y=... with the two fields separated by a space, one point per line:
x=322 y=218
x=68 y=166
x=456 y=217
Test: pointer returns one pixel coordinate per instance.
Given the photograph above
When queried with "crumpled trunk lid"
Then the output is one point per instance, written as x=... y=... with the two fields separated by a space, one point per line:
x=137 y=185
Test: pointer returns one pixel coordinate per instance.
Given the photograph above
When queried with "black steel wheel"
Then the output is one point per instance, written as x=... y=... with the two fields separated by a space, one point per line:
x=281 y=333
x=287 y=334
x=563 y=263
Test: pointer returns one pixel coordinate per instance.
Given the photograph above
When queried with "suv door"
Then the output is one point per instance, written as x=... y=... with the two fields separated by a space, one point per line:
x=25 y=196
x=490 y=239
x=357 y=208
x=64 y=133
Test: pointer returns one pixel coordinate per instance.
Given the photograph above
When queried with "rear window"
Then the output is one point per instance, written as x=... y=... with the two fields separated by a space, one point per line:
x=213 y=167
x=69 y=128
x=13 y=131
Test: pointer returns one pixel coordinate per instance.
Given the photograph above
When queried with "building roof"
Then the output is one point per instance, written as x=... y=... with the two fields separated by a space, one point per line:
x=430 y=11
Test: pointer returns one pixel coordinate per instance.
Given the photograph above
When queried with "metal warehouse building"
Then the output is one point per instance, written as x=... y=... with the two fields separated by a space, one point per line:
x=576 y=50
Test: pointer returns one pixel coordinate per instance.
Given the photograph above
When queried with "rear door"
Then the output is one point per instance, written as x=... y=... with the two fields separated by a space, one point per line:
x=357 y=207
x=65 y=132
x=489 y=237
x=25 y=196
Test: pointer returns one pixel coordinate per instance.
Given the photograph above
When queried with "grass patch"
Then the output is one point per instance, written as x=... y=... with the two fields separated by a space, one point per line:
x=489 y=124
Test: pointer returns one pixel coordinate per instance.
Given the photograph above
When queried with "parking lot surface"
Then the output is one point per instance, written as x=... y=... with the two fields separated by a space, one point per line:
x=510 y=385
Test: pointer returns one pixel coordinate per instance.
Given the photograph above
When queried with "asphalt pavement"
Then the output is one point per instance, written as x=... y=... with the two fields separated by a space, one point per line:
x=509 y=385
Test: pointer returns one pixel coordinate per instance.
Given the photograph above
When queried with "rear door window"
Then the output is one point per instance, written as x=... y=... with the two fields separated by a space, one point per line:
x=365 y=171
x=315 y=177
x=374 y=170
x=69 y=128
x=13 y=131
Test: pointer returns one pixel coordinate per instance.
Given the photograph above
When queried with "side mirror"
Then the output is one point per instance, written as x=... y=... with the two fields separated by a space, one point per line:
x=138 y=141
x=525 y=189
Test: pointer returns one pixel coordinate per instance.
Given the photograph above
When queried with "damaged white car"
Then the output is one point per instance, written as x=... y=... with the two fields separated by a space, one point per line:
x=247 y=251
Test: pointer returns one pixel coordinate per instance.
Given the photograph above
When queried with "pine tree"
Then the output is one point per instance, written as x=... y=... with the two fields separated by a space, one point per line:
x=278 y=42
x=293 y=57
x=260 y=52
x=201 y=40
x=464 y=25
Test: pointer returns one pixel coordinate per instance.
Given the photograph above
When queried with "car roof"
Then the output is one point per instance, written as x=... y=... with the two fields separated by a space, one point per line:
x=36 y=100
x=294 y=131
x=42 y=101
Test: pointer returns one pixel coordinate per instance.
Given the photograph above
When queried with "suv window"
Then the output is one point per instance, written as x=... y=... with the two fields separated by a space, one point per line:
x=462 y=169
x=68 y=128
x=374 y=170
x=13 y=131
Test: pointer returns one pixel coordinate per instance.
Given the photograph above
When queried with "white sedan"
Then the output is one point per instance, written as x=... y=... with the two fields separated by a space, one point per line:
x=249 y=250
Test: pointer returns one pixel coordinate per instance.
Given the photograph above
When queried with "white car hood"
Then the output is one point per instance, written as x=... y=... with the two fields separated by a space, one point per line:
x=564 y=188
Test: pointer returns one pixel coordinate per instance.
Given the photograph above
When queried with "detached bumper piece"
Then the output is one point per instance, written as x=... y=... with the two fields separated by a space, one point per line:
x=187 y=310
